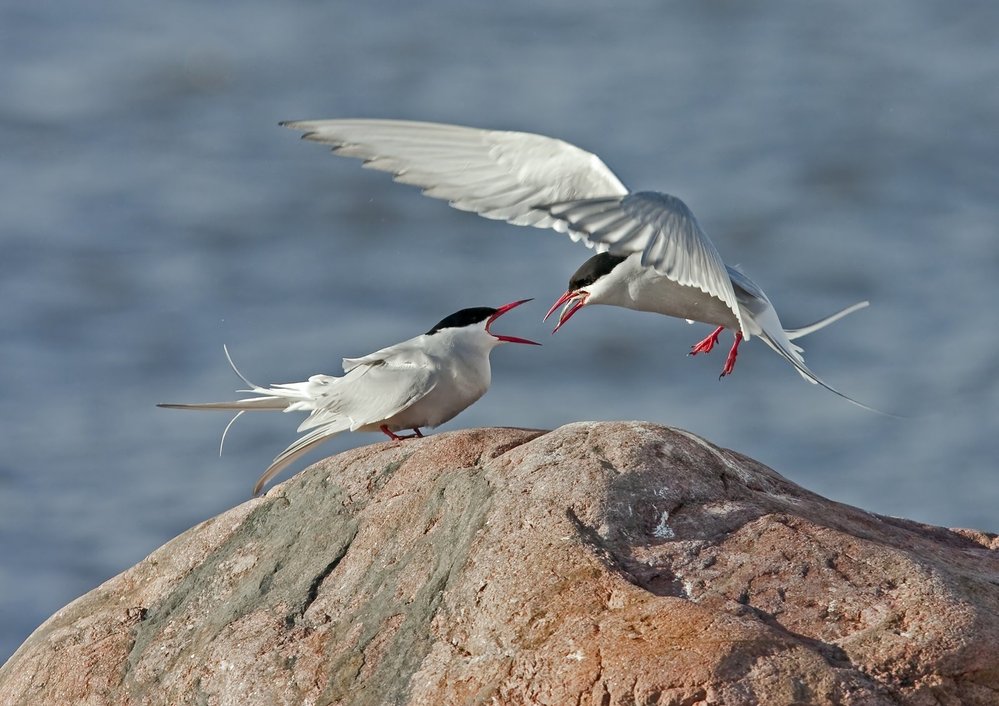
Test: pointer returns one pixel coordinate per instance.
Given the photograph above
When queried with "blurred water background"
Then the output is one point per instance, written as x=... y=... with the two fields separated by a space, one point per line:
x=152 y=210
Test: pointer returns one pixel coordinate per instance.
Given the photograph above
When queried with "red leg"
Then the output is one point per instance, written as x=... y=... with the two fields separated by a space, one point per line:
x=732 y=354
x=708 y=343
x=417 y=433
x=385 y=430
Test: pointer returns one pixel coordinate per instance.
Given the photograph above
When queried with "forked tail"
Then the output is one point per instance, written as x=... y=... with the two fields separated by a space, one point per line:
x=800 y=366
x=794 y=333
x=268 y=402
x=282 y=398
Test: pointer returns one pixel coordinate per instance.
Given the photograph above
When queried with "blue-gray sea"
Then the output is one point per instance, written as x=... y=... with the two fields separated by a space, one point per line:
x=153 y=210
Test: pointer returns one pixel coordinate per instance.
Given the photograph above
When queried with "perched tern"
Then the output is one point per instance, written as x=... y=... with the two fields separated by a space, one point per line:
x=422 y=382
x=654 y=256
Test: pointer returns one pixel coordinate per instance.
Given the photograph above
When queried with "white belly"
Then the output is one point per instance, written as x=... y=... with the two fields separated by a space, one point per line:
x=654 y=292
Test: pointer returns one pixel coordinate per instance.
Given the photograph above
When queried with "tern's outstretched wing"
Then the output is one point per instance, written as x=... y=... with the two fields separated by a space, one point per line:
x=663 y=229
x=529 y=179
x=497 y=174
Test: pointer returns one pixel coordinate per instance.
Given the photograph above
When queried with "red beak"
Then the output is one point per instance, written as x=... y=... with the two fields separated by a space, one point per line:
x=499 y=312
x=574 y=300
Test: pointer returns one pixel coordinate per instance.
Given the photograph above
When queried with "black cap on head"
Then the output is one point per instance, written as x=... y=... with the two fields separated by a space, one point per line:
x=593 y=269
x=465 y=317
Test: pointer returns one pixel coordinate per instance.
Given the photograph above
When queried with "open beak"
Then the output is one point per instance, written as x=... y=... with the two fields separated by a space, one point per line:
x=499 y=312
x=574 y=300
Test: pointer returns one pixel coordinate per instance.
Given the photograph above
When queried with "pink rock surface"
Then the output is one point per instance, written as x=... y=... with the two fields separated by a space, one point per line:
x=610 y=563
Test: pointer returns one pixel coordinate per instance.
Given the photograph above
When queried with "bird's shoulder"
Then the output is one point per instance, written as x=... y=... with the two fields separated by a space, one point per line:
x=408 y=354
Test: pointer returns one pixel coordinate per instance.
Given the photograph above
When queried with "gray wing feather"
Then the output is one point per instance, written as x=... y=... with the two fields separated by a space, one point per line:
x=498 y=174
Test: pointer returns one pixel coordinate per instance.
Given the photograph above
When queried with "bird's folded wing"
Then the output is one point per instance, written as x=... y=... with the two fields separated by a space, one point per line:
x=367 y=395
x=497 y=174
x=659 y=226
x=370 y=359
x=405 y=354
x=370 y=394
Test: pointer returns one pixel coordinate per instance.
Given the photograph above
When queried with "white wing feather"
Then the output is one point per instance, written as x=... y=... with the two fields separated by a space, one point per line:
x=498 y=174
x=369 y=394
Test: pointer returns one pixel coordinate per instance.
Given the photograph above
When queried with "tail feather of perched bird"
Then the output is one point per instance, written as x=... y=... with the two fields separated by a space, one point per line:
x=422 y=382
x=282 y=397
x=251 y=404
x=272 y=399
x=267 y=403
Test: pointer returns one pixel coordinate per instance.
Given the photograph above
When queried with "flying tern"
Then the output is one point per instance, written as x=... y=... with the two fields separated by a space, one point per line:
x=653 y=254
x=621 y=280
x=422 y=382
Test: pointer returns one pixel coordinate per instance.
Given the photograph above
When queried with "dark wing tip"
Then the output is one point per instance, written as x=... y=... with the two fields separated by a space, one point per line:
x=295 y=125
